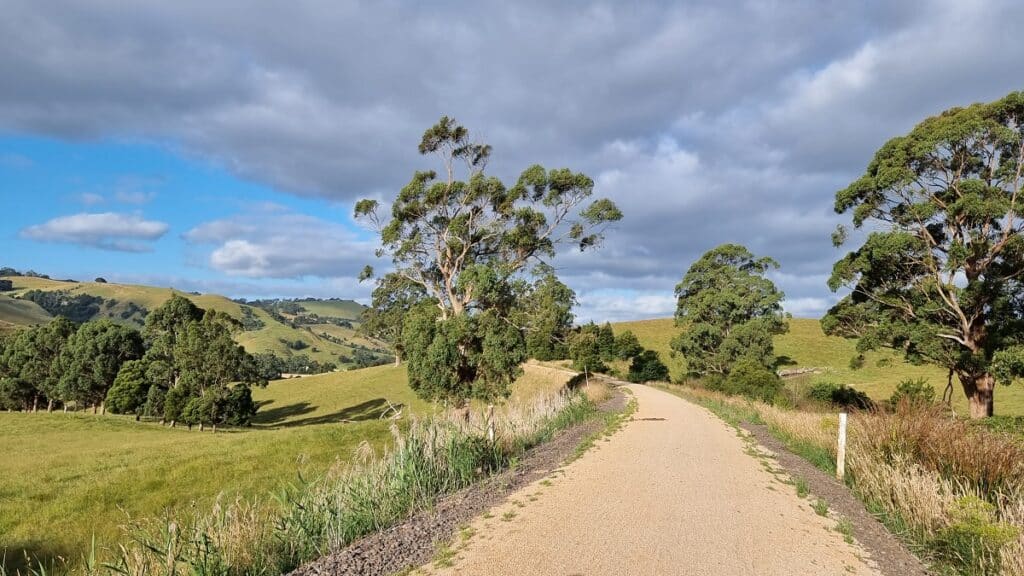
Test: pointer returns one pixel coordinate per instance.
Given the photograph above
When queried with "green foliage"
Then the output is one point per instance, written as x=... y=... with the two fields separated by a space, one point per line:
x=974 y=541
x=627 y=346
x=33 y=356
x=392 y=299
x=916 y=392
x=463 y=356
x=78 y=307
x=92 y=358
x=547 y=316
x=466 y=239
x=193 y=357
x=748 y=378
x=6 y=285
x=839 y=395
x=130 y=390
x=938 y=279
x=729 y=312
x=647 y=367
x=585 y=349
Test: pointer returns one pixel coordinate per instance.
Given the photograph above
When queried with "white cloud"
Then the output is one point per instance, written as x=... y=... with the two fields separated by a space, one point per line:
x=273 y=242
x=105 y=230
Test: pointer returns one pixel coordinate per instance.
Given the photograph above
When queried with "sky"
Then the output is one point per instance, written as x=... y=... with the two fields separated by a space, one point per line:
x=220 y=146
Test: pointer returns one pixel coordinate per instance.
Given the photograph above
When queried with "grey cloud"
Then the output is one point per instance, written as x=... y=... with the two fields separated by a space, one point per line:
x=708 y=122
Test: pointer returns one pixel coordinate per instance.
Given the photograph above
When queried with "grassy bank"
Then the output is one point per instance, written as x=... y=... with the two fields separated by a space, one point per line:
x=953 y=490
x=272 y=533
x=69 y=477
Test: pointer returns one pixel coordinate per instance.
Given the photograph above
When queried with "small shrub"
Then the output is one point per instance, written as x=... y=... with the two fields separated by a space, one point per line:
x=750 y=379
x=839 y=395
x=974 y=541
x=647 y=367
x=857 y=362
x=916 y=392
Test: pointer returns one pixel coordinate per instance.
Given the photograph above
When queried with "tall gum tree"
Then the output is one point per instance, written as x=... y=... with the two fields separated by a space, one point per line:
x=938 y=277
x=466 y=239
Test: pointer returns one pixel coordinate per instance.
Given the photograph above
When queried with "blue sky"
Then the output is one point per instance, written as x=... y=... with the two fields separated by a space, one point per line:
x=219 y=146
x=47 y=180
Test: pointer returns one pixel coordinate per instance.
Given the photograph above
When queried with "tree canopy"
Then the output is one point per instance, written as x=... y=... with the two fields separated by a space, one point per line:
x=938 y=278
x=466 y=239
x=729 y=310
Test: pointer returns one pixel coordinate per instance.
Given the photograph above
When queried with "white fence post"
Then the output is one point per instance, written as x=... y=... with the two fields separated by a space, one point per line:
x=841 y=451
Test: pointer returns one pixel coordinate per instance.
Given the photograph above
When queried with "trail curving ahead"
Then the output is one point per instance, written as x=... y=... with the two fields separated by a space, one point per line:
x=676 y=491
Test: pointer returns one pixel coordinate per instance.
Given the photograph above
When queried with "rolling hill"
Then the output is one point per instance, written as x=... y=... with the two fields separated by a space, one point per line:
x=324 y=330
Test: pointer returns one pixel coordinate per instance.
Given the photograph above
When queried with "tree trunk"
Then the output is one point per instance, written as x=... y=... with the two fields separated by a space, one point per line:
x=173 y=422
x=398 y=360
x=980 y=389
x=35 y=404
x=94 y=408
x=214 y=427
x=49 y=405
x=201 y=427
x=103 y=408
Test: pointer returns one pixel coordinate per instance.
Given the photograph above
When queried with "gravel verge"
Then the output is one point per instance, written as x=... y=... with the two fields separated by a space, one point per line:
x=887 y=551
x=415 y=541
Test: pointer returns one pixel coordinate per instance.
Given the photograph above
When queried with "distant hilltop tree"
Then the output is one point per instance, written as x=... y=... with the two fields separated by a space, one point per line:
x=6 y=285
x=100 y=280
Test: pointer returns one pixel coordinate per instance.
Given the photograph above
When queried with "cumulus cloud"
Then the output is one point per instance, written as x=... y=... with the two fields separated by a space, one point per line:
x=104 y=230
x=274 y=242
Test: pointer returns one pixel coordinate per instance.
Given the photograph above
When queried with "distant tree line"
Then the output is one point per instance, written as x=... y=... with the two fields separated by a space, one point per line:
x=183 y=366
x=75 y=307
x=8 y=271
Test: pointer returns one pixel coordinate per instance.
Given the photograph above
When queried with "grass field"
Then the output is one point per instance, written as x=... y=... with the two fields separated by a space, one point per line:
x=805 y=346
x=15 y=313
x=269 y=338
x=66 y=477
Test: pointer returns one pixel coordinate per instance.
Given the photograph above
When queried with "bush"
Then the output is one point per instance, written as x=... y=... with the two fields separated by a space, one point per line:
x=647 y=367
x=916 y=392
x=751 y=379
x=974 y=541
x=840 y=395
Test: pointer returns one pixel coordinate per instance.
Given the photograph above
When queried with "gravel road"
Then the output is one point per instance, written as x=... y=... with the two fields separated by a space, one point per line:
x=676 y=491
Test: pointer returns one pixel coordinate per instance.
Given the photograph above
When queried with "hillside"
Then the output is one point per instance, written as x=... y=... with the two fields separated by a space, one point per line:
x=323 y=330
x=16 y=313
x=806 y=346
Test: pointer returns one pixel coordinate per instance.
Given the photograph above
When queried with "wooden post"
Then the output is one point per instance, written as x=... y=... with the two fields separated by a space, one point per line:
x=490 y=423
x=841 y=451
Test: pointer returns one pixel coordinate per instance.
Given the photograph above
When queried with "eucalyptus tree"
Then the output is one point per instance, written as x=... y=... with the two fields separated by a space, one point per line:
x=466 y=238
x=92 y=358
x=729 y=311
x=938 y=278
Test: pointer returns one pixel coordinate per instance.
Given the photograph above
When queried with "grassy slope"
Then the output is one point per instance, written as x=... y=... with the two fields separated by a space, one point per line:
x=15 y=313
x=347 y=309
x=808 y=347
x=266 y=339
x=65 y=476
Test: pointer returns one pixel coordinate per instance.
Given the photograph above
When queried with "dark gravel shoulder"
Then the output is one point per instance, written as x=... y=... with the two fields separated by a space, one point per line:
x=892 y=556
x=414 y=542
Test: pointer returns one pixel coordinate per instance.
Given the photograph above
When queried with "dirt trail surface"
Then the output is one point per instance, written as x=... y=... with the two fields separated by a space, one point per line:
x=676 y=491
